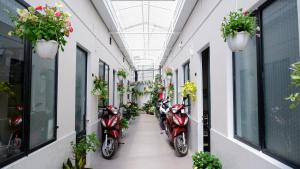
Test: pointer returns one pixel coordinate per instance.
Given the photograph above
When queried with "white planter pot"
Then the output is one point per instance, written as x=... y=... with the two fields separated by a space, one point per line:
x=46 y=49
x=169 y=77
x=121 y=78
x=239 y=41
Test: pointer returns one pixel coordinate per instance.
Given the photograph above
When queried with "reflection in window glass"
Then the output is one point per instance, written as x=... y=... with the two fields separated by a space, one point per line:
x=281 y=49
x=42 y=114
x=80 y=109
x=246 y=103
x=11 y=87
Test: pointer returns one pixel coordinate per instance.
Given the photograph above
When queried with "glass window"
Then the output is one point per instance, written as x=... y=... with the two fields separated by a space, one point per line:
x=281 y=49
x=246 y=99
x=42 y=114
x=80 y=109
x=186 y=77
x=11 y=87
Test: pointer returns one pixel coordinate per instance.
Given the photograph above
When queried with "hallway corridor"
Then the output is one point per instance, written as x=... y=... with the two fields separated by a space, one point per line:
x=144 y=148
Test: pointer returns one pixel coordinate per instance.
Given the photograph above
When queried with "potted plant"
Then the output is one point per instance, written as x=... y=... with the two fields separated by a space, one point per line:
x=45 y=26
x=5 y=87
x=169 y=73
x=237 y=29
x=151 y=110
x=88 y=143
x=121 y=74
x=204 y=160
x=100 y=88
x=189 y=89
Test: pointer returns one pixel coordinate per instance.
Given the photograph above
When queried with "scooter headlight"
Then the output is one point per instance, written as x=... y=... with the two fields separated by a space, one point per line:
x=175 y=120
x=114 y=122
x=186 y=120
x=103 y=123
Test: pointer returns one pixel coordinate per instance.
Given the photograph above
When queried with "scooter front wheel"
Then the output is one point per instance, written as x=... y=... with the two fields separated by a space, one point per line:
x=108 y=147
x=180 y=145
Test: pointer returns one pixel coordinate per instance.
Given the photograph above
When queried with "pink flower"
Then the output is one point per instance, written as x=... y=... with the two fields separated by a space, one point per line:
x=70 y=29
x=246 y=13
x=58 y=14
x=38 y=8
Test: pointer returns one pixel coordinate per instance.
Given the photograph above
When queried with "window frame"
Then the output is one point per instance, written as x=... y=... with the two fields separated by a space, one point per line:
x=260 y=90
x=27 y=102
x=104 y=73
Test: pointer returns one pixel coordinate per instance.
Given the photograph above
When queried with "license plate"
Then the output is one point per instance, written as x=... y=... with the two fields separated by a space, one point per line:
x=105 y=131
x=182 y=111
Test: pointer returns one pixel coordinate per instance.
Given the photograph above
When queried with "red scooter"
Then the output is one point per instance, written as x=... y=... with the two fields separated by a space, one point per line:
x=112 y=131
x=176 y=128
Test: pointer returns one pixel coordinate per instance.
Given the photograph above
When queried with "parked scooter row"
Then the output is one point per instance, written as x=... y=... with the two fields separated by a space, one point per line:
x=174 y=120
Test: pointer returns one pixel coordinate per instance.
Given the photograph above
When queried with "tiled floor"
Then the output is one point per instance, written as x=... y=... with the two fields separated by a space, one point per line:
x=144 y=148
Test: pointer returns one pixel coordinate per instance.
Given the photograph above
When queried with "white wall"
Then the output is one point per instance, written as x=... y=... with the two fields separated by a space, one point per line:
x=201 y=31
x=92 y=35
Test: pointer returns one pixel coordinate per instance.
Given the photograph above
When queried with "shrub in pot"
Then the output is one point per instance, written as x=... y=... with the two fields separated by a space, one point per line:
x=88 y=143
x=45 y=26
x=205 y=160
x=169 y=73
x=237 y=29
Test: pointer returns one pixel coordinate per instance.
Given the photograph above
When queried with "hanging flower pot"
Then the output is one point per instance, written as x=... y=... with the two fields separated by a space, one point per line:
x=121 y=74
x=239 y=41
x=169 y=77
x=237 y=29
x=46 y=49
x=46 y=27
x=121 y=78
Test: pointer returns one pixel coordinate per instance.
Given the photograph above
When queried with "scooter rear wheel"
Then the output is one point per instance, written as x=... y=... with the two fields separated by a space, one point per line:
x=109 y=148
x=181 y=148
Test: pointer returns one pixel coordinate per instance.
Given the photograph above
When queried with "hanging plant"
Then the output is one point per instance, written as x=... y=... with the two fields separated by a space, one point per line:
x=5 y=87
x=100 y=88
x=121 y=74
x=170 y=91
x=294 y=98
x=121 y=89
x=237 y=29
x=45 y=26
x=189 y=89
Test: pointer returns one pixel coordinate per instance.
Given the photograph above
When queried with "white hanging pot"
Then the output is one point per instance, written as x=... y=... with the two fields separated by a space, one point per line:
x=46 y=49
x=120 y=78
x=239 y=41
x=169 y=77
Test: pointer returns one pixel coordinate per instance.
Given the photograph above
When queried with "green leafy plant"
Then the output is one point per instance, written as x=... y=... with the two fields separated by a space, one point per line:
x=170 y=91
x=124 y=123
x=189 y=89
x=88 y=143
x=42 y=22
x=122 y=73
x=121 y=89
x=132 y=110
x=204 y=160
x=151 y=110
x=169 y=71
x=294 y=98
x=238 y=21
x=100 y=88
x=5 y=87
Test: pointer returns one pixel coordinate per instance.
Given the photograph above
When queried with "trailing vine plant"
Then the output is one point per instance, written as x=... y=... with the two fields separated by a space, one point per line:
x=294 y=98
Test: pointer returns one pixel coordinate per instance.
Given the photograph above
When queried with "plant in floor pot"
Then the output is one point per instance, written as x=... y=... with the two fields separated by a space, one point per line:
x=46 y=27
x=189 y=89
x=124 y=123
x=237 y=29
x=121 y=74
x=294 y=98
x=205 y=160
x=88 y=143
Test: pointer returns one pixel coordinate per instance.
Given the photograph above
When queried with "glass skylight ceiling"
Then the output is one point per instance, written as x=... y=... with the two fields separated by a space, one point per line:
x=145 y=28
